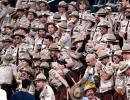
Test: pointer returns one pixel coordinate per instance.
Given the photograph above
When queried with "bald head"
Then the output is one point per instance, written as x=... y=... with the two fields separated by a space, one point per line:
x=91 y=59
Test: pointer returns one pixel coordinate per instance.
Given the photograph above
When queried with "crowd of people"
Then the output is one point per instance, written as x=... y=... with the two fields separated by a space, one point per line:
x=71 y=54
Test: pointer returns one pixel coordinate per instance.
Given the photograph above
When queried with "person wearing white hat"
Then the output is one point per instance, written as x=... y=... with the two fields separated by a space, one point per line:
x=47 y=92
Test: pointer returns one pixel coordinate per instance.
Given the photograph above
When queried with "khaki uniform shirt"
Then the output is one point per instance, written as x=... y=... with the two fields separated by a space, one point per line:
x=125 y=28
x=8 y=50
x=106 y=85
x=47 y=93
x=7 y=71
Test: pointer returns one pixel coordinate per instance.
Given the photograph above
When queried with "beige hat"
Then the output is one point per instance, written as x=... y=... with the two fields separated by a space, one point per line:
x=40 y=76
x=101 y=11
x=54 y=47
x=8 y=25
x=6 y=38
x=37 y=64
x=123 y=66
x=57 y=17
x=78 y=39
x=75 y=14
x=118 y=53
x=62 y=25
x=109 y=38
x=103 y=23
x=76 y=93
x=102 y=54
x=126 y=48
x=45 y=57
x=25 y=56
x=32 y=11
x=36 y=56
x=73 y=3
x=27 y=70
x=18 y=33
x=115 y=48
x=62 y=4
x=89 y=17
x=44 y=65
x=11 y=11
x=20 y=8
x=42 y=27
x=22 y=26
x=7 y=58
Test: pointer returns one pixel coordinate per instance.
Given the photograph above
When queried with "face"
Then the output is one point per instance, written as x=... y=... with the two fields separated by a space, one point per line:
x=126 y=56
x=71 y=8
x=82 y=6
x=74 y=19
x=116 y=59
x=40 y=84
x=30 y=16
x=43 y=6
x=47 y=42
x=79 y=44
x=8 y=30
x=42 y=33
x=90 y=94
x=127 y=12
x=105 y=61
x=32 y=32
x=43 y=19
x=24 y=63
x=24 y=75
x=53 y=54
x=6 y=44
x=17 y=40
x=127 y=72
x=61 y=9
x=103 y=30
x=51 y=29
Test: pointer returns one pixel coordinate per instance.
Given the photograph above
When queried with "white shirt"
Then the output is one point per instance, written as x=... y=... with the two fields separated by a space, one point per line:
x=3 y=95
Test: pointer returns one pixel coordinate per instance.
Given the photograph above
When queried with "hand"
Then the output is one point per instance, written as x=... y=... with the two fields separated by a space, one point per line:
x=68 y=90
x=122 y=34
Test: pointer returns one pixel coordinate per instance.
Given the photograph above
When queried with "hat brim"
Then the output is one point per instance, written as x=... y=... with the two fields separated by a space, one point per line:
x=121 y=71
x=71 y=93
x=13 y=36
x=7 y=40
x=54 y=50
x=39 y=79
x=105 y=56
x=104 y=26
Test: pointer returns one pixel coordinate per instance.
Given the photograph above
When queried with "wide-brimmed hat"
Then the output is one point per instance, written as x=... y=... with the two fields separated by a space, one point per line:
x=44 y=65
x=40 y=76
x=89 y=17
x=109 y=38
x=8 y=25
x=36 y=56
x=45 y=56
x=27 y=70
x=42 y=27
x=57 y=17
x=36 y=64
x=7 y=38
x=62 y=4
x=101 y=11
x=126 y=48
x=118 y=53
x=73 y=3
x=62 y=25
x=102 y=54
x=103 y=24
x=20 y=8
x=7 y=58
x=78 y=39
x=25 y=56
x=54 y=47
x=76 y=93
x=22 y=26
x=123 y=66
x=18 y=33
x=75 y=14
x=32 y=11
